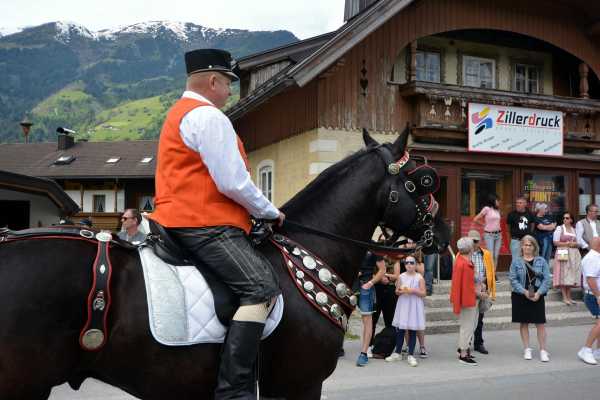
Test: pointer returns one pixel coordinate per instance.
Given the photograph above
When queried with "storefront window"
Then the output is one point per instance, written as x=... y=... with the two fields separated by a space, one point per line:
x=589 y=192
x=548 y=189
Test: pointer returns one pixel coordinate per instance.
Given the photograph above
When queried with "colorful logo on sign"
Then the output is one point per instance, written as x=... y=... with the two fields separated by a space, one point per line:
x=482 y=120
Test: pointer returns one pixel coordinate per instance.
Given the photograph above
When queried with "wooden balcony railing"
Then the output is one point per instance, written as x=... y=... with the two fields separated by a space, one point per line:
x=440 y=112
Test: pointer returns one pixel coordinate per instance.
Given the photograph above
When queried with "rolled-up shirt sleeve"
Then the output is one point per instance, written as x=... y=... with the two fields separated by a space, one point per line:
x=209 y=132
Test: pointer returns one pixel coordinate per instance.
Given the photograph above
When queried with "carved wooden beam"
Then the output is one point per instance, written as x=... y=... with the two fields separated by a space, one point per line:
x=584 y=86
x=413 y=61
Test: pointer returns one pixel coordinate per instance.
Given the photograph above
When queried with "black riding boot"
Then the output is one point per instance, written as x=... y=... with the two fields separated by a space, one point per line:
x=236 y=371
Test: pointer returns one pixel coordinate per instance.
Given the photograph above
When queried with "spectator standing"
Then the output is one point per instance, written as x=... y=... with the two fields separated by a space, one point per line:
x=587 y=228
x=366 y=301
x=591 y=286
x=489 y=217
x=385 y=293
x=463 y=297
x=530 y=280
x=567 y=260
x=131 y=220
x=409 y=316
x=520 y=223
x=544 y=229
x=486 y=278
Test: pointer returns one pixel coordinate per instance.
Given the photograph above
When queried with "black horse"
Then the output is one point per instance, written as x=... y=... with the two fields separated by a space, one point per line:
x=44 y=285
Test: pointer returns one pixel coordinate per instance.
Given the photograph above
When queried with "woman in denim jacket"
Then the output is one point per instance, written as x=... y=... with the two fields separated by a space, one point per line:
x=530 y=281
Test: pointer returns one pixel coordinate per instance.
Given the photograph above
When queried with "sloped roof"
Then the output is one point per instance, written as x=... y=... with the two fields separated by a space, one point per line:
x=352 y=33
x=39 y=186
x=38 y=159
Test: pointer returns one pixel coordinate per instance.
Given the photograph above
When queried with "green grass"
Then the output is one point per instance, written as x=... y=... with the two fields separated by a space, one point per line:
x=68 y=99
x=129 y=121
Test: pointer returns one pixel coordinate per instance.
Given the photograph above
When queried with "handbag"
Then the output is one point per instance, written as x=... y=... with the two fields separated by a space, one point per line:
x=485 y=305
x=562 y=254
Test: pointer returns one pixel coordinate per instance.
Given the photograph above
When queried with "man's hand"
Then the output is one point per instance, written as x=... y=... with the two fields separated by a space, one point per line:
x=280 y=219
x=367 y=285
x=536 y=297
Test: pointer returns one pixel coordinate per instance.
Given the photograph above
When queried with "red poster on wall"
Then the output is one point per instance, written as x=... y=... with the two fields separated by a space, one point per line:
x=466 y=224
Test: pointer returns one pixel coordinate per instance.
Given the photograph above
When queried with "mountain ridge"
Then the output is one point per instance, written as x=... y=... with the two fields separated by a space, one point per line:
x=111 y=67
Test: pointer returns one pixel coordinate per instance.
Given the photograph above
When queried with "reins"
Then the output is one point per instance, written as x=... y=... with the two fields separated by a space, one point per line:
x=371 y=246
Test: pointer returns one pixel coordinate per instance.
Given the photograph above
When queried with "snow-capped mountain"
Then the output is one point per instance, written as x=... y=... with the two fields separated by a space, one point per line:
x=111 y=65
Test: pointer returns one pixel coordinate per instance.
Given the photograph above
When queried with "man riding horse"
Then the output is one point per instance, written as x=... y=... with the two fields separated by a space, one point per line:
x=205 y=196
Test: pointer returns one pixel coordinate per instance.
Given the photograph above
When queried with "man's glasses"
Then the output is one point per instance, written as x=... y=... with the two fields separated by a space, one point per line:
x=124 y=218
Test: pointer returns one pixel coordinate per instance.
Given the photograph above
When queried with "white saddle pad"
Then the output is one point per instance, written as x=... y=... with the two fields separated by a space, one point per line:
x=181 y=306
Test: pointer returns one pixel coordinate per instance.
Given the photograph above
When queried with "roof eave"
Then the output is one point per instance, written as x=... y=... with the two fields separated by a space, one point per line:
x=257 y=98
x=346 y=38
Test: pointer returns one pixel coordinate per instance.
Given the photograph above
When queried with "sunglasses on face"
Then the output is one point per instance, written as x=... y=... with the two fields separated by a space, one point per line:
x=475 y=241
x=567 y=218
x=410 y=262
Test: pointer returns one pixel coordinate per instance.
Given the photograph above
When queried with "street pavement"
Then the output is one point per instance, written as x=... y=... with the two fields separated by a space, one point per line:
x=503 y=374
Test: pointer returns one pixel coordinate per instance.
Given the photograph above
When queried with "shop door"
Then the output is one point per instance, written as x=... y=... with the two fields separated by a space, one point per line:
x=476 y=187
x=14 y=214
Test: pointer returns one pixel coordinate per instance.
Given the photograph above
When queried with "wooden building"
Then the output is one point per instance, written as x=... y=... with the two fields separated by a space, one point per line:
x=102 y=178
x=428 y=64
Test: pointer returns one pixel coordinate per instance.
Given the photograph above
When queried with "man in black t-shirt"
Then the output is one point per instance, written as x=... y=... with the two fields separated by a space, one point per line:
x=372 y=270
x=520 y=222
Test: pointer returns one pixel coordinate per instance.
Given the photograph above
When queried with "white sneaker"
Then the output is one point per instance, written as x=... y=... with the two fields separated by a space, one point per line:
x=597 y=354
x=587 y=356
x=527 y=354
x=393 y=357
x=544 y=356
x=412 y=361
x=370 y=352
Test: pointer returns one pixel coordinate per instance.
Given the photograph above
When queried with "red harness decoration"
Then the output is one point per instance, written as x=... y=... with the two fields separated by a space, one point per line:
x=323 y=289
x=93 y=336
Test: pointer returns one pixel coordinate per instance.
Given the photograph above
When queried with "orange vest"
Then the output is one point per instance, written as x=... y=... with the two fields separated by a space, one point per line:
x=186 y=195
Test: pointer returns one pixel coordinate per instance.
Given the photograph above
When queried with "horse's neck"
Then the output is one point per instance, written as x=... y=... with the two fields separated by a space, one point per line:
x=346 y=207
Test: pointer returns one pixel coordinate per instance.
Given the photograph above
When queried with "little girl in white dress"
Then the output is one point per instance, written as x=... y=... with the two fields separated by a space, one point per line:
x=410 y=310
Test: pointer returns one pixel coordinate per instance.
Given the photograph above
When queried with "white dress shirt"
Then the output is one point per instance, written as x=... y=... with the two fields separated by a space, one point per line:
x=590 y=268
x=579 y=232
x=209 y=132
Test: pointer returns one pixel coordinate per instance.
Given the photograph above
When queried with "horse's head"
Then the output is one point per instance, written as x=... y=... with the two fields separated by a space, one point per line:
x=405 y=197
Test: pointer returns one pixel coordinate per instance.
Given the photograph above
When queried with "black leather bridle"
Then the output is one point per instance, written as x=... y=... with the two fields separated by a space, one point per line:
x=424 y=207
x=424 y=203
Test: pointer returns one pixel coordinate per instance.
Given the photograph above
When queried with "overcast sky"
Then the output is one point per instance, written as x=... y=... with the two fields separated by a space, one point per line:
x=304 y=18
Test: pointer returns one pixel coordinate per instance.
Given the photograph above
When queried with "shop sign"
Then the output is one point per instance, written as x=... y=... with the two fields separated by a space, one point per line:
x=515 y=130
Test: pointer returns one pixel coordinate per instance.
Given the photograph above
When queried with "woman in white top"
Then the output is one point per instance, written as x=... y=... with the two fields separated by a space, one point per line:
x=567 y=260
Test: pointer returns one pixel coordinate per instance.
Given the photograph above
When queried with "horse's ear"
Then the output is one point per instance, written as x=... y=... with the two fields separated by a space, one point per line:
x=369 y=141
x=399 y=146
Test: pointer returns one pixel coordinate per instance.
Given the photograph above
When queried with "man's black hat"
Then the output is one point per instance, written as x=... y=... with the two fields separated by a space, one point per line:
x=203 y=60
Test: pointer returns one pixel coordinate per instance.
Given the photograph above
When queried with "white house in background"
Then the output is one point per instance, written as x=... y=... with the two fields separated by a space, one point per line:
x=30 y=202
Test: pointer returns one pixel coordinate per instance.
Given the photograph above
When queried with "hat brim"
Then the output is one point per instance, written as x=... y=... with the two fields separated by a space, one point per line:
x=231 y=75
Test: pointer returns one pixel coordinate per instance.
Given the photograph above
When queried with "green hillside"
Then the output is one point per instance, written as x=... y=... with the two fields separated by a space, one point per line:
x=132 y=120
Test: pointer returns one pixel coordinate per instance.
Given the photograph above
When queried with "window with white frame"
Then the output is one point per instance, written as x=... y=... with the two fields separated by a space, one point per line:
x=428 y=66
x=265 y=178
x=99 y=202
x=479 y=72
x=527 y=78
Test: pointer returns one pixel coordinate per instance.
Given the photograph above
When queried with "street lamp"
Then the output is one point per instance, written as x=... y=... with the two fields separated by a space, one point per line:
x=26 y=126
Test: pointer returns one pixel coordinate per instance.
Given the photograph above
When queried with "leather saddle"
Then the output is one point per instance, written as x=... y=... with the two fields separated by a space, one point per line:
x=167 y=249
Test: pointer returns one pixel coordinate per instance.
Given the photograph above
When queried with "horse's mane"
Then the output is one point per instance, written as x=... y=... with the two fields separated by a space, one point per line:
x=324 y=180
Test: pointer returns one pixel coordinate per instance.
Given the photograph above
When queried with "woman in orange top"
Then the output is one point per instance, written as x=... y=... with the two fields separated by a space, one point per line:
x=463 y=298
